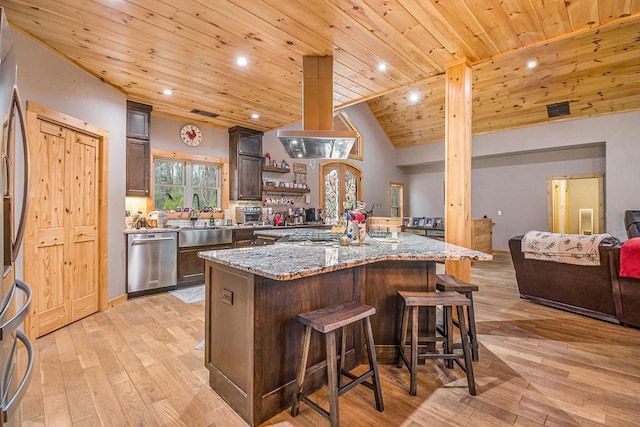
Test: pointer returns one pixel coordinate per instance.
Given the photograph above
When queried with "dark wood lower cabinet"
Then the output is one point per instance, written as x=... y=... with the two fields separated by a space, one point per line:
x=252 y=337
x=137 y=179
x=190 y=266
x=244 y=237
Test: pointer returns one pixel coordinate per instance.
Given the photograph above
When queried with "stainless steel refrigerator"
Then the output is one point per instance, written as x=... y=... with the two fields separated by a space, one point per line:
x=15 y=295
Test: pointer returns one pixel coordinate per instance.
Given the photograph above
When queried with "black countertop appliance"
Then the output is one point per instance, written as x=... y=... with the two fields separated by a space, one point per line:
x=310 y=215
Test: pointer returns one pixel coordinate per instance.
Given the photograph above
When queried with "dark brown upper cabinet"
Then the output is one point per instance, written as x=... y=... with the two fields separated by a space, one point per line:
x=245 y=163
x=138 y=149
x=138 y=120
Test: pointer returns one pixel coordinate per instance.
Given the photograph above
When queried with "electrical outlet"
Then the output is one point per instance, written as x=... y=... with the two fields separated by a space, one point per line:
x=499 y=213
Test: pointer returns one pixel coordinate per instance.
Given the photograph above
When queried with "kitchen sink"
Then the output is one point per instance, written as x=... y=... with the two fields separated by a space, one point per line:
x=188 y=237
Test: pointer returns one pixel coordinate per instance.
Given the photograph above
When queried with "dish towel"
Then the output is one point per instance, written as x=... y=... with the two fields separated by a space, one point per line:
x=564 y=248
x=630 y=258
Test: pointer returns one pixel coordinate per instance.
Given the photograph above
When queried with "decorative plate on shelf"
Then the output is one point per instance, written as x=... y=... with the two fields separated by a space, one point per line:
x=191 y=135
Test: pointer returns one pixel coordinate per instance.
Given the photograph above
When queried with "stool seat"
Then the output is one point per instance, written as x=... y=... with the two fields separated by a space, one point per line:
x=336 y=316
x=448 y=283
x=330 y=321
x=432 y=299
x=411 y=302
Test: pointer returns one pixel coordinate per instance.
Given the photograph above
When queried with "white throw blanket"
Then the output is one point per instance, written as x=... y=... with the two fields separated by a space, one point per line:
x=564 y=248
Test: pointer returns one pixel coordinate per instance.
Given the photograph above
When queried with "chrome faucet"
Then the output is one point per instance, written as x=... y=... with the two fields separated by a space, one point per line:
x=195 y=212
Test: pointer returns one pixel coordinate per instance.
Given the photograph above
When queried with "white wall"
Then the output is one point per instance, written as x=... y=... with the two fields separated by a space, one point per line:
x=619 y=132
x=48 y=80
x=515 y=184
x=377 y=164
x=165 y=135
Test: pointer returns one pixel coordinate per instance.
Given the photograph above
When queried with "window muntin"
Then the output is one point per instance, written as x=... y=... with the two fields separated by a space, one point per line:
x=177 y=182
x=331 y=195
x=341 y=185
x=396 y=194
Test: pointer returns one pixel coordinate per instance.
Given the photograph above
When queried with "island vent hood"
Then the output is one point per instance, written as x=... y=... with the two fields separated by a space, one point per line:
x=318 y=140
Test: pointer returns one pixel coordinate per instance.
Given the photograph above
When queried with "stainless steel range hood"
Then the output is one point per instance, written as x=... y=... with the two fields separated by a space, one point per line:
x=318 y=140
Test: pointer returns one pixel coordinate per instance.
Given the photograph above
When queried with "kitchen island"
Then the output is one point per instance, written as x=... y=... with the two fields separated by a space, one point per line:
x=253 y=295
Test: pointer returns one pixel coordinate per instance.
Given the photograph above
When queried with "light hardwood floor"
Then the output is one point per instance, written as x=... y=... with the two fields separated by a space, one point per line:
x=137 y=365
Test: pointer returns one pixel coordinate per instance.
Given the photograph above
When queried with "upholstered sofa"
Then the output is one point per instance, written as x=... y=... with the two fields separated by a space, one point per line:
x=626 y=291
x=595 y=291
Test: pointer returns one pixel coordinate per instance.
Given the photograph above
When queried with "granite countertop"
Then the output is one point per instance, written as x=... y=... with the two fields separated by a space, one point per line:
x=150 y=230
x=293 y=260
x=223 y=227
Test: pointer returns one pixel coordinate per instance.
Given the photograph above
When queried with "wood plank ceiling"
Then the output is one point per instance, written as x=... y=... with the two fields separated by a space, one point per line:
x=588 y=53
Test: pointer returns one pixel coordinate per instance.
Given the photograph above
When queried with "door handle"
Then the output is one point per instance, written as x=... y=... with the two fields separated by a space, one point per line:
x=16 y=107
x=6 y=172
x=9 y=405
x=143 y=241
x=13 y=323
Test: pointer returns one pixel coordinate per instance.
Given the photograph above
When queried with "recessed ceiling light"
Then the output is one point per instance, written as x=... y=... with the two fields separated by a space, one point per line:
x=255 y=116
x=242 y=61
x=167 y=92
x=382 y=66
x=531 y=64
x=414 y=97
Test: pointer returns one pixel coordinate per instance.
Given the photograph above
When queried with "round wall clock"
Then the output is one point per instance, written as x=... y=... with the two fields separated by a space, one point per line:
x=191 y=135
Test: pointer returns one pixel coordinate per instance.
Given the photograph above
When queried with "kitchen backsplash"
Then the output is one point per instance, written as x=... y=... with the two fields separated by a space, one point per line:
x=135 y=204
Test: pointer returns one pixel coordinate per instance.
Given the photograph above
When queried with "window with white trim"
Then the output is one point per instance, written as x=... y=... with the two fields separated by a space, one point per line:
x=181 y=183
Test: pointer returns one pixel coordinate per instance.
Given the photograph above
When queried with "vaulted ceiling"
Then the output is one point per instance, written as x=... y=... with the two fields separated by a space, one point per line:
x=587 y=52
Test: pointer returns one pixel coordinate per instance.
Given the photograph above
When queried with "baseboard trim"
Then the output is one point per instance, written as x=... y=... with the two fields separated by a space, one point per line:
x=117 y=301
x=572 y=308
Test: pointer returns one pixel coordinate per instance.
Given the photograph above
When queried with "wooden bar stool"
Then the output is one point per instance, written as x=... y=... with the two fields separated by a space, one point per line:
x=411 y=302
x=448 y=283
x=329 y=320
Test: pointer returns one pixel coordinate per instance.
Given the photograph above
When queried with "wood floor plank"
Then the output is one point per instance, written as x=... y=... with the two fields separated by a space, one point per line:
x=164 y=414
x=141 y=378
x=50 y=370
x=135 y=409
x=93 y=421
x=79 y=398
x=56 y=410
x=108 y=409
x=136 y=364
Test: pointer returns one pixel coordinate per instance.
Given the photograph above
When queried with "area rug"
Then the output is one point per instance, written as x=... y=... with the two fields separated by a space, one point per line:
x=189 y=295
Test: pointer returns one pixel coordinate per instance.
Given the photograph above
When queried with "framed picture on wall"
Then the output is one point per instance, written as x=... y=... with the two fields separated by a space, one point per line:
x=414 y=221
x=428 y=223
x=406 y=222
x=421 y=221
x=438 y=223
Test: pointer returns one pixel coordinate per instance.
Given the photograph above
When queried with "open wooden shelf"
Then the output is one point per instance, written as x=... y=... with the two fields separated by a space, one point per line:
x=201 y=215
x=275 y=169
x=283 y=190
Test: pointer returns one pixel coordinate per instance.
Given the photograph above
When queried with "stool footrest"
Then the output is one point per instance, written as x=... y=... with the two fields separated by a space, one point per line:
x=357 y=380
x=319 y=409
x=450 y=301
x=331 y=321
x=448 y=283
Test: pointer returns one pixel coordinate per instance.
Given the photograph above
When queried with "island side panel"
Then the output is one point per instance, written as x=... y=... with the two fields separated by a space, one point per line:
x=229 y=336
x=278 y=333
x=382 y=282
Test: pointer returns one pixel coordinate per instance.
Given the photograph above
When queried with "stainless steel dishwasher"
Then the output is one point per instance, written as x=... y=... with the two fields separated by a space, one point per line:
x=151 y=262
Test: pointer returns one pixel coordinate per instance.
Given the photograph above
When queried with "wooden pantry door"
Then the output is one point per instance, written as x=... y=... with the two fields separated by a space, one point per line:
x=62 y=257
